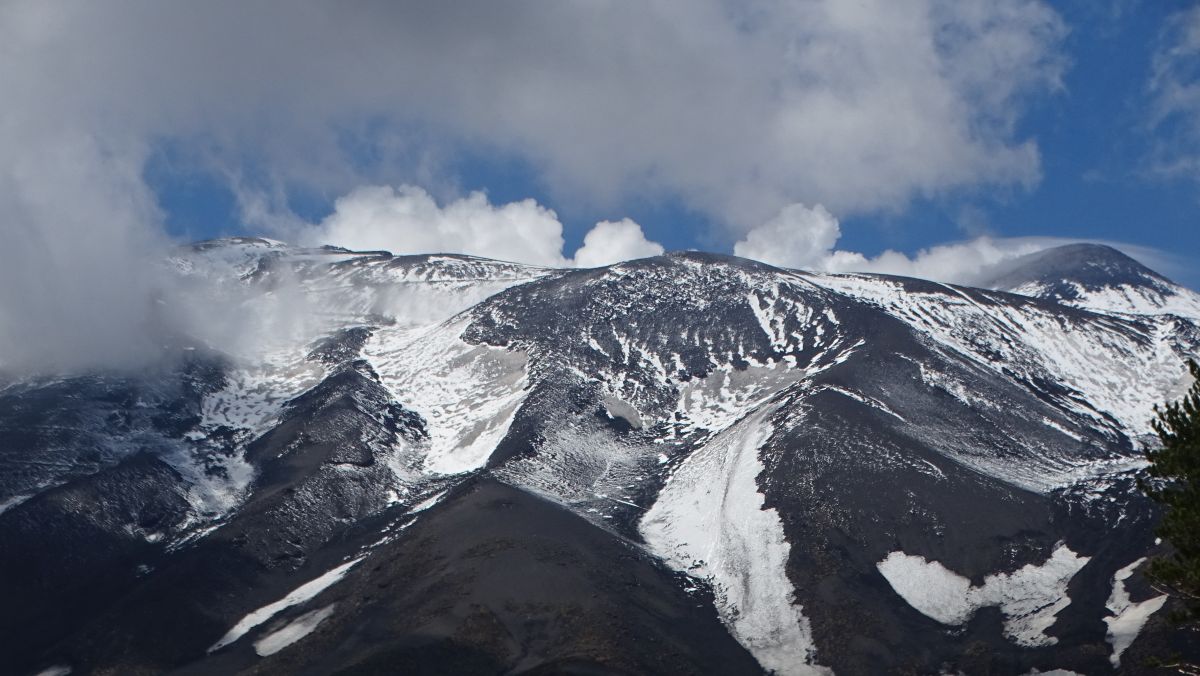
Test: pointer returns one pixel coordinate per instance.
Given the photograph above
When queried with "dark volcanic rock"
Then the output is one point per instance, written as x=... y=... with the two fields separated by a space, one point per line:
x=691 y=462
x=1091 y=266
x=70 y=552
x=496 y=581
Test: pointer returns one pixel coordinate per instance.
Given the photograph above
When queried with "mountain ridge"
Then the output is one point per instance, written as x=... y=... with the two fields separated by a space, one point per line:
x=1095 y=276
x=795 y=448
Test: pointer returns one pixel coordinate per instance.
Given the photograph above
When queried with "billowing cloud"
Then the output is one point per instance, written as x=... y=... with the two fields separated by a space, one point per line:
x=611 y=242
x=732 y=110
x=799 y=237
x=409 y=220
x=736 y=109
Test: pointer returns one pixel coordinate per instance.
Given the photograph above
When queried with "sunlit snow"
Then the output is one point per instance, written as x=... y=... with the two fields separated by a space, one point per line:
x=301 y=594
x=467 y=394
x=709 y=522
x=1127 y=617
x=294 y=631
x=1029 y=597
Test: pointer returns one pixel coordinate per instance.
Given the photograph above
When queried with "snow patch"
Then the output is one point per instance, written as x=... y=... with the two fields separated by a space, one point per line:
x=617 y=408
x=467 y=394
x=863 y=399
x=1126 y=298
x=302 y=594
x=709 y=522
x=1061 y=429
x=726 y=395
x=1030 y=597
x=428 y=503
x=294 y=631
x=1128 y=617
x=250 y=404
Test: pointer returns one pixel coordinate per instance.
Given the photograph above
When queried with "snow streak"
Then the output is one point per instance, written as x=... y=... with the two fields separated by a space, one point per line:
x=709 y=522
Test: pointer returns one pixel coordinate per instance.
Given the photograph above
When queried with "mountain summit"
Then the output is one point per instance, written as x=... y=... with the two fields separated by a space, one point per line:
x=680 y=464
x=1098 y=277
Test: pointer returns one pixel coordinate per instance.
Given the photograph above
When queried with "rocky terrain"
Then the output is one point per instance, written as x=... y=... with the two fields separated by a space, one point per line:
x=683 y=464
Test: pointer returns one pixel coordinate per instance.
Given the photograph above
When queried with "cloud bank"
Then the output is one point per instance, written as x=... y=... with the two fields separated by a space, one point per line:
x=408 y=220
x=733 y=110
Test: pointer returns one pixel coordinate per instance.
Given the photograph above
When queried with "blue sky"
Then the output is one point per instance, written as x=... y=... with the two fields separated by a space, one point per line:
x=840 y=129
x=1098 y=182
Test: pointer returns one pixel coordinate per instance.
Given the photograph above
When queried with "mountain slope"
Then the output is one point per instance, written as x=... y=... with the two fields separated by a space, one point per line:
x=850 y=473
x=1097 y=277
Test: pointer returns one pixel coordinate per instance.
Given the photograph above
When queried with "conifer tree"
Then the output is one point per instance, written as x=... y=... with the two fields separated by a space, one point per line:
x=1175 y=483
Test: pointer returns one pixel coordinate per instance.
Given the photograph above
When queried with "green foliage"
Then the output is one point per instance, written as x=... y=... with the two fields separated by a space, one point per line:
x=1175 y=483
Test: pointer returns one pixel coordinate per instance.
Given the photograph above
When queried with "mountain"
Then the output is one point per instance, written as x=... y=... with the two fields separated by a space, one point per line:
x=683 y=464
x=1097 y=277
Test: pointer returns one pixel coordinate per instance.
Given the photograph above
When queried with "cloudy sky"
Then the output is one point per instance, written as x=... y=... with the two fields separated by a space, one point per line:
x=926 y=137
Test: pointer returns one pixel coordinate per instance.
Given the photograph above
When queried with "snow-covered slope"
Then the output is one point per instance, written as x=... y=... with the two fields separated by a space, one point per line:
x=709 y=520
x=851 y=473
x=1110 y=370
x=1096 y=277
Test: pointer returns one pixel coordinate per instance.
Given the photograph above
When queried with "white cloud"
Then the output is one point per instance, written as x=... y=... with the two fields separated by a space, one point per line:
x=803 y=237
x=408 y=220
x=966 y=262
x=977 y=260
x=77 y=284
x=611 y=242
x=732 y=110
x=798 y=237
x=736 y=109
